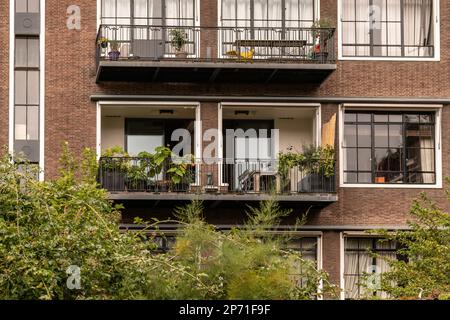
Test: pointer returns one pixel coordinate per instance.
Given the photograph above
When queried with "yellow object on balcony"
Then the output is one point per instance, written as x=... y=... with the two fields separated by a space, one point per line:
x=244 y=55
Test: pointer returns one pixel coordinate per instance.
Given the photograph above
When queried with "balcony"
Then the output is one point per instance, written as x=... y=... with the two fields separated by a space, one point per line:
x=214 y=54
x=134 y=178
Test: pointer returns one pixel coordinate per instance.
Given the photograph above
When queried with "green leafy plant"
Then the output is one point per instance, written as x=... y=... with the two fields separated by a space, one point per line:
x=114 y=45
x=179 y=38
x=423 y=272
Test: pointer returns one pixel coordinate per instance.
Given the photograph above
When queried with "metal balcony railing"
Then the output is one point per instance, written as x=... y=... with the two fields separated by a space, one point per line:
x=132 y=174
x=216 y=44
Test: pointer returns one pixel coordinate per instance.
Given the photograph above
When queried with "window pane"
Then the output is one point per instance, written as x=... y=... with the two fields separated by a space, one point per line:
x=350 y=160
x=21 y=6
x=33 y=123
x=395 y=136
x=350 y=135
x=395 y=118
x=33 y=6
x=364 y=161
x=364 y=136
x=364 y=178
x=21 y=53
x=20 y=123
x=20 y=87
x=381 y=136
x=364 y=117
x=380 y=118
x=350 y=177
x=350 y=117
x=33 y=53
x=420 y=159
x=33 y=87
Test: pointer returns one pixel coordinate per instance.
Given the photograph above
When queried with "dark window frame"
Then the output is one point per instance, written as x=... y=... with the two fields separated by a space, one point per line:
x=359 y=250
x=404 y=148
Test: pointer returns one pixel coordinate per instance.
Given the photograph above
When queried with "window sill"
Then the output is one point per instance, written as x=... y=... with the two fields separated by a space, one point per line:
x=412 y=59
x=392 y=186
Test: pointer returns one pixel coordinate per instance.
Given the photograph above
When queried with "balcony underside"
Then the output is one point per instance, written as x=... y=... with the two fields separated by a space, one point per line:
x=248 y=197
x=208 y=72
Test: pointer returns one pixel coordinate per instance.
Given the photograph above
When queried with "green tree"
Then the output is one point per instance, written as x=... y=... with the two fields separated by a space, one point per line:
x=423 y=270
x=47 y=227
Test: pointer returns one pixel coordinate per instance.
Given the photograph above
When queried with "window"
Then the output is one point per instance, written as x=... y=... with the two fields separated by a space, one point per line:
x=389 y=147
x=267 y=20
x=27 y=6
x=148 y=12
x=388 y=28
x=268 y=13
x=359 y=262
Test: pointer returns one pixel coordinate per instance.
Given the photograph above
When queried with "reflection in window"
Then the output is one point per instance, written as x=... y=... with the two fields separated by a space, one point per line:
x=389 y=147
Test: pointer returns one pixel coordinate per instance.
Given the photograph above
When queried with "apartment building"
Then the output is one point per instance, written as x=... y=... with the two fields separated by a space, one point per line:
x=367 y=77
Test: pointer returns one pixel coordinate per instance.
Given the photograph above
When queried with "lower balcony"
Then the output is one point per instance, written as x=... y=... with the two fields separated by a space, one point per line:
x=141 y=178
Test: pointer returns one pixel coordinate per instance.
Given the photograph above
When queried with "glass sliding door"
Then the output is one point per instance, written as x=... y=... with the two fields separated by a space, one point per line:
x=266 y=20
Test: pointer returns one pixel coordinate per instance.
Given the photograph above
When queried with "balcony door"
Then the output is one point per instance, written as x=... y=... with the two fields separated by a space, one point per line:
x=148 y=12
x=143 y=26
x=266 y=20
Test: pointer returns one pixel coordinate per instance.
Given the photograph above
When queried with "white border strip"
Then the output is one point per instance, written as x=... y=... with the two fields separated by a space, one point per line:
x=11 y=77
x=437 y=40
x=42 y=93
x=393 y=107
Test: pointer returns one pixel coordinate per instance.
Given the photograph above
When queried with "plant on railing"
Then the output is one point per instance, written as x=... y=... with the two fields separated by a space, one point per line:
x=138 y=173
x=115 y=159
x=313 y=160
x=179 y=38
x=114 y=52
x=103 y=42
x=321 y=33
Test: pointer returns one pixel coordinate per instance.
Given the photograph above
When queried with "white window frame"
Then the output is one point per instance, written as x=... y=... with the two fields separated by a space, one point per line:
x=437 y=42
x=393 y=107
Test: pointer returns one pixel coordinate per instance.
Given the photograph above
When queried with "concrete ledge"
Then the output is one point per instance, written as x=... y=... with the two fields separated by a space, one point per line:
x=300 y=197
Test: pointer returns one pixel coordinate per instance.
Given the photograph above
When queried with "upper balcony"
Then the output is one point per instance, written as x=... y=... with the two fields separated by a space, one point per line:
x=214 y=54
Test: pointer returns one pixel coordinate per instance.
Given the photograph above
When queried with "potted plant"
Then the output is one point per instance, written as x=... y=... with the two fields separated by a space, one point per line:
x=321 y=33
x=139 y=173
x=103 y=42
x=114 y=52
x=113 y=167
x=179 y=38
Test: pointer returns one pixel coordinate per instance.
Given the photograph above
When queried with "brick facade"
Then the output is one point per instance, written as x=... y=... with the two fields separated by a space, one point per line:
x=70 y=115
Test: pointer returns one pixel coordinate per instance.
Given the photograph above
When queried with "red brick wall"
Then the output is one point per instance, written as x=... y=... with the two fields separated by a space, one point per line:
x=4 y=72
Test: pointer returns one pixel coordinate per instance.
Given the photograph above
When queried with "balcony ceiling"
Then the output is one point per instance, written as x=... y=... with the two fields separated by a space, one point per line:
x=213 y=72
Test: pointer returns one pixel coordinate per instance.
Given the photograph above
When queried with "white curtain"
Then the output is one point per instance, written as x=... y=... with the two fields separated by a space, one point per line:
x=383 y=262
x=427 y=159
x=357 y=262
x=418 y=27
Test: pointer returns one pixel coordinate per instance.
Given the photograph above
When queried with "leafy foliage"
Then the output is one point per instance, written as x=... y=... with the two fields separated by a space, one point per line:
x=46 y=227
x=424 y=270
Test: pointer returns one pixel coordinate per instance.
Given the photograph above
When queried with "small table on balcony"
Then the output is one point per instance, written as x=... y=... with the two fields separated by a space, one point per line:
x=301 y=44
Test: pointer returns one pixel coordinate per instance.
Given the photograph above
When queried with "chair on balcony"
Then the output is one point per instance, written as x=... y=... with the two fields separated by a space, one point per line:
x=245 y=181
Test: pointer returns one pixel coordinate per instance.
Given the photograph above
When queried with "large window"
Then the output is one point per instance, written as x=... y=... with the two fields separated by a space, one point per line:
x=267 y=20
x=388 y=28
x=148 y=12
x=360 y=262
x=389 y=147
x=268 y=13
